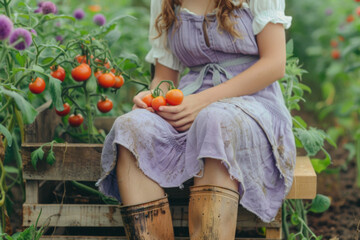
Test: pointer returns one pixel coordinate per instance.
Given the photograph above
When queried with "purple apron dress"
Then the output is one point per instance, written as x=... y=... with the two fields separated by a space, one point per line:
x=251 y=135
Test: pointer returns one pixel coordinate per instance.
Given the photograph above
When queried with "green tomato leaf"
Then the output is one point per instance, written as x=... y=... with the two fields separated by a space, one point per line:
x=91 y=84
x=10 y=169
x=7 y=134
x=27 y=110
x=289 y=48
x=321 y=164
x=312 y=139
x=320 y=204
x=55 y=92
x=37 y=155
x=37 y=68
x=50 y=159
x=54 y=17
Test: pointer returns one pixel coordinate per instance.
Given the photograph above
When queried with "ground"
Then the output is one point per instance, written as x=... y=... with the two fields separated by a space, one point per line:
x=342 y=219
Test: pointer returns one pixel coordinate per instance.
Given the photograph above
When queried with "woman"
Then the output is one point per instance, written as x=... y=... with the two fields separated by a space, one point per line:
x=232 y=133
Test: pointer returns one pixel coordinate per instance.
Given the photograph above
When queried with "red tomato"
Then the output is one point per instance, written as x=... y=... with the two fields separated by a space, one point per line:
x=76 y=120
x=59 y=73
x=98 y=74
x=65 y=111
x=119 y=81
x=174 y=97
x=358 y=11
x=350 y=18
x=106 y=80
x=81 y=72
x=104 y=106
x=148 y=99
x=334 y=43
x=37 y=86
x=82 y=59
x=157 y=102
x=335 y=54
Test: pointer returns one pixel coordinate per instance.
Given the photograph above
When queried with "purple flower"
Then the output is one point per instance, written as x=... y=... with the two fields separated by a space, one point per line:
x=38 y=10
x=79 y=14
x=40 y=4
x=99 y=19
x=33 y=32
x=20 y=34
x=329 y=11
x=48 y=7
x=6 y=27
x=59 y=38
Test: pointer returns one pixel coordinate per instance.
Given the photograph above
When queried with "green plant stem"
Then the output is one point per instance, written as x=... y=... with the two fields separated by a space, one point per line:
x=284 y=222
x=9 y=100
x=7 y=10
x=88 y=113
x=358 y=162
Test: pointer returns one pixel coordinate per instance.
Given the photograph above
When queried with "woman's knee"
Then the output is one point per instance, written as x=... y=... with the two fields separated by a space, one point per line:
x=216 y=173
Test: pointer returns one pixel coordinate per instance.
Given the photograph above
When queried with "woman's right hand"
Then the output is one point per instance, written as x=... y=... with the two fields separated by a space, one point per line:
x=139 y=103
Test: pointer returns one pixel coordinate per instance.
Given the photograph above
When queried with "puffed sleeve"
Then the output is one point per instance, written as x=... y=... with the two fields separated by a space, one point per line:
x=265 y=11
x=159 y=48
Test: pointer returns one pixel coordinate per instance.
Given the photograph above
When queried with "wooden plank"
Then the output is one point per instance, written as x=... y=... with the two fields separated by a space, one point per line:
x=304 y=184
x=274 y=233
x=32 y=191
x=97 y=215
x=79 y=162
x=120 y=238
x=43 y=128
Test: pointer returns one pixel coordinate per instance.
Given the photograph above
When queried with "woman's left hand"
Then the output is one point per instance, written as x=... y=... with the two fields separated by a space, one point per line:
x=182 y=116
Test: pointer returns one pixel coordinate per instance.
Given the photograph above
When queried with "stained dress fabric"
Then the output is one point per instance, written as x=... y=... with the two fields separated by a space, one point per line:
x=251 y=135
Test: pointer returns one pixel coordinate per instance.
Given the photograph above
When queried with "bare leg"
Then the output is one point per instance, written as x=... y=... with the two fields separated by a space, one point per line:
x=213 y=204
x=134 y=186
x=215 y=173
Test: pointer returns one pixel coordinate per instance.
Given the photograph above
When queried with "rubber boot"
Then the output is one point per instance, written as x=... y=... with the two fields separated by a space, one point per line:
x=212 y=213
x=148 y=221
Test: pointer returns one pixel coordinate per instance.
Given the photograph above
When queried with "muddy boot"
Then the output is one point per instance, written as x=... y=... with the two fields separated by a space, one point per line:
x=212 y=213
x=148 y=221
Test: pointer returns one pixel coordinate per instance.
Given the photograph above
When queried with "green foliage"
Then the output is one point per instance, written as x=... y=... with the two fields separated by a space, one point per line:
x=309 y=138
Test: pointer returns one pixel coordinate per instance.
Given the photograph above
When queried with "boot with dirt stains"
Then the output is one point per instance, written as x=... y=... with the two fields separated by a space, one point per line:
x=212 y=213
x=148 y=221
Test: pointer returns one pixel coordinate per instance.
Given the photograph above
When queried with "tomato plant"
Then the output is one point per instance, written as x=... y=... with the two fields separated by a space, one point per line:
x=64 y=112
x=58 y=72
x=75 y=120
x=81 y=72
x=37 y=86
x=104 y=105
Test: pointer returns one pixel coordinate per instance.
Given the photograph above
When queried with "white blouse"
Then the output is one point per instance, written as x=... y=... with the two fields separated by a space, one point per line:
x=264 y=11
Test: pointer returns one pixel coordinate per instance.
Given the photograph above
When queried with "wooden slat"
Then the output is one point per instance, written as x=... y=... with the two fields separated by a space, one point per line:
x=81 y=215
x=74 y=161
x=32 y=192
x=304 y=184
x=123 y=238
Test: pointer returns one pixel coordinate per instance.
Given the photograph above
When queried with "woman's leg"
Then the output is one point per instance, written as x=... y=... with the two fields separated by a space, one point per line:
x=146 y=212
x=214 y=200
x=134 y=186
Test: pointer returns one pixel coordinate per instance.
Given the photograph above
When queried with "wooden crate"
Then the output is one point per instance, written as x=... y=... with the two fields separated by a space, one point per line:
x=81 y=162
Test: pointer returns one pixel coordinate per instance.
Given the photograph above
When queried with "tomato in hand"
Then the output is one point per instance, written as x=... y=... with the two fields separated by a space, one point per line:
x=119 y=81
x=157 y=102
x=58 y=73
x=174 y=97
x=81 y=72
x=104 y=105
x=65 y=111
x=106 y=80
x=37 y=86
x=148 y=99
x=76 y=120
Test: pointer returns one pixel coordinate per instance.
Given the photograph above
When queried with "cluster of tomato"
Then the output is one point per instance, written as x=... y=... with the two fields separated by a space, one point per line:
x=173 y=97
x=81 y=73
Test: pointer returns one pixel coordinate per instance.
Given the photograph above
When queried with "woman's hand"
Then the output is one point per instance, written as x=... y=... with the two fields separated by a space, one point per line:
x=182 y=116
x=139 y=103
